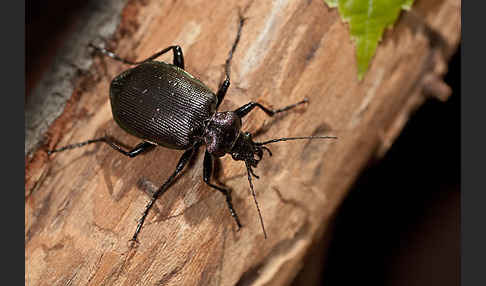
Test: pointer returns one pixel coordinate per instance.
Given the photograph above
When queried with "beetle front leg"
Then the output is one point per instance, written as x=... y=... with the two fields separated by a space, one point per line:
x=245 y=109
x=139 y=149
x=207 y=173
x=177 y=61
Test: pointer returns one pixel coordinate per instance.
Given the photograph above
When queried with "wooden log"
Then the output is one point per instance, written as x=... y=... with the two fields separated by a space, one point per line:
x=82 y=205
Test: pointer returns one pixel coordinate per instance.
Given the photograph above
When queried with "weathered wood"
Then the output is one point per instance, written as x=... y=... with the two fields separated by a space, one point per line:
x=82 y=205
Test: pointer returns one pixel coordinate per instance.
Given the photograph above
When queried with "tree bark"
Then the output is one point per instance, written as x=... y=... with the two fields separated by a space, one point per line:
x=82 y=205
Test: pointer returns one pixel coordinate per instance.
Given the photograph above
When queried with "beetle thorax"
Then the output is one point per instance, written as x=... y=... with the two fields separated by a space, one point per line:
x=221 y=132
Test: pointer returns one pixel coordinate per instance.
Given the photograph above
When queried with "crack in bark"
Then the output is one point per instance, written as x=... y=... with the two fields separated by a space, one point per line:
x=292 y=202
x=168 y=276
x=436 y=39
x=97 y=266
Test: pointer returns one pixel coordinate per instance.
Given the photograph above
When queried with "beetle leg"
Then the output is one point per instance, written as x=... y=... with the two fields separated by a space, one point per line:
x=185 y=158
x=233 y=47
x=178 y=56
x=245 y=109
x=207 y=173
x=227 y=66
x=139 y=149
x=222 y=91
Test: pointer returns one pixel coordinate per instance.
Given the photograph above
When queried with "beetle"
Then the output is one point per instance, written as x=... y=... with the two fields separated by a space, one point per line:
x=164 y=105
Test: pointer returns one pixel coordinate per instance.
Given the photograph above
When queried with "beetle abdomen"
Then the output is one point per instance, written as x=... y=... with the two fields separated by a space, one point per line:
x=161 y=103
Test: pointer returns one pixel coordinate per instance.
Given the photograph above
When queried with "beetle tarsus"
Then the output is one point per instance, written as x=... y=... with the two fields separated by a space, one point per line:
x=178 y=59
x=139 y=149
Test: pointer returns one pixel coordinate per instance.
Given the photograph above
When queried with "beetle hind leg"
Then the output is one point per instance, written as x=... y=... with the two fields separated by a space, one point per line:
x=137 y=150
x=178 y=59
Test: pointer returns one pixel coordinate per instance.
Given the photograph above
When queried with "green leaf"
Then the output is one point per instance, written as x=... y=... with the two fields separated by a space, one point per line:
x=367 y=20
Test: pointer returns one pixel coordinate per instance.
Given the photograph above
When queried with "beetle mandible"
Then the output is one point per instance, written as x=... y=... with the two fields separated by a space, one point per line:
x=164 y=105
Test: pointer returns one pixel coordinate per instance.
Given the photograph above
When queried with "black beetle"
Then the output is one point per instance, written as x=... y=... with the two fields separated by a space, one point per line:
x=164 y=105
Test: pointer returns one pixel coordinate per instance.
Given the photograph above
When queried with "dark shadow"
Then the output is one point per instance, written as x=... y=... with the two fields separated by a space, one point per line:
x=400 y=223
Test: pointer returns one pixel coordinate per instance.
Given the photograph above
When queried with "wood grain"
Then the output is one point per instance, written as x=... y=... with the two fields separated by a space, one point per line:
x=82 y=205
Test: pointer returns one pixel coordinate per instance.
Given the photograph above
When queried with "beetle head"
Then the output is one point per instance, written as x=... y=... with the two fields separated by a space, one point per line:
x=248 y=151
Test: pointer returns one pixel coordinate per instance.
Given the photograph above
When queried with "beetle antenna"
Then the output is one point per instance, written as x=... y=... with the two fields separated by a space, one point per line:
x=249 y=171
x=293 y=138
